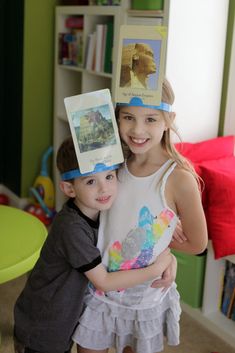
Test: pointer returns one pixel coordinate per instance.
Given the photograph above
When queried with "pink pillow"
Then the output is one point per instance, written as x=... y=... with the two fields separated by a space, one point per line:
x=215 y=148
x=219 y=206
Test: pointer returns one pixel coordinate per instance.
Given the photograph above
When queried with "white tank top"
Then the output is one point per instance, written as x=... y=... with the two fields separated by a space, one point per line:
x=137 y=228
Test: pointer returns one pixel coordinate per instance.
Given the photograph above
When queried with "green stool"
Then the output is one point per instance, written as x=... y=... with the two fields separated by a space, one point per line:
x=21 y=238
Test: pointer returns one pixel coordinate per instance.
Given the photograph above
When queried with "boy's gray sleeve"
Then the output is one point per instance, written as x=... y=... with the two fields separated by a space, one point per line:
x=79 y=248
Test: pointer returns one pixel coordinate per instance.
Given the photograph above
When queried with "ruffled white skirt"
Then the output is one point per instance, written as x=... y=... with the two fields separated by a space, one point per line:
x=104 y=325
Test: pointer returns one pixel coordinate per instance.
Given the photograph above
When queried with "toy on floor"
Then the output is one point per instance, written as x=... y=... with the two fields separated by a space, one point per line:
x=43 y=194
x=4 y=199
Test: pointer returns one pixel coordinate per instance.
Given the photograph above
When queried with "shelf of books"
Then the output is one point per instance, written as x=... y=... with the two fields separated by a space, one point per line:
x=85 y=36
x=218 y=310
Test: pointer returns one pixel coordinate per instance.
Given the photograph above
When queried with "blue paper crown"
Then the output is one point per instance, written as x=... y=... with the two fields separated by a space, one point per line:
x=75 y=173
x=137 y=102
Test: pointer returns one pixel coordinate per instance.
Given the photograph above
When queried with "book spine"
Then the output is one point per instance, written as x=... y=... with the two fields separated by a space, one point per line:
x=108 y=48
x=98 y=51
x=103 y=47
x=90 y=50
x=78 y=35
x=228 y=293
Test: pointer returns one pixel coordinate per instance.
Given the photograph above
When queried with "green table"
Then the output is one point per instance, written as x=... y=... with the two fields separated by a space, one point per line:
x=21 y=238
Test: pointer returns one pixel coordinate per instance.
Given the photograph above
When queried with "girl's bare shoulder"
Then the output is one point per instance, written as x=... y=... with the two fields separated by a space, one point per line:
x=182 y=180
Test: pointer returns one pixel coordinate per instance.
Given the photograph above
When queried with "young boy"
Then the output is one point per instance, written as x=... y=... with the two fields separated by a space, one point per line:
x=48 y=309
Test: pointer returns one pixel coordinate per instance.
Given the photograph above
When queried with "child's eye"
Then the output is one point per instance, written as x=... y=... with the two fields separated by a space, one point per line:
x=128 y=117
x=90 y=182
x=110 y=177
x=151 y=120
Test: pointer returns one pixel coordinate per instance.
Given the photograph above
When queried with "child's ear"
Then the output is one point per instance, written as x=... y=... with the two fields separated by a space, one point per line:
x=67 y=188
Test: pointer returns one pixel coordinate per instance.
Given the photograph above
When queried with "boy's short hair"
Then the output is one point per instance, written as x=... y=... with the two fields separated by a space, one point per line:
x=66 y=158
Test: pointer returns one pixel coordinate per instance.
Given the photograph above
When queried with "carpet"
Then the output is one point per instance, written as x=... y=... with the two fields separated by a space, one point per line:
x=194 y=338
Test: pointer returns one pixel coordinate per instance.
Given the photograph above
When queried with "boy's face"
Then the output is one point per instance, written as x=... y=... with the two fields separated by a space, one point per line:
x=95 y=193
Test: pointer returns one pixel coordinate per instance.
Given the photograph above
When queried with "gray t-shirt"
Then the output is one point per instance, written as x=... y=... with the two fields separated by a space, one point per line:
x=47 y=311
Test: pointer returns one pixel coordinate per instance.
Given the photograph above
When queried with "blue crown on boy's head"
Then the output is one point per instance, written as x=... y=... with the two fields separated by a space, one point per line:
x=75 y=173
x=137 y=102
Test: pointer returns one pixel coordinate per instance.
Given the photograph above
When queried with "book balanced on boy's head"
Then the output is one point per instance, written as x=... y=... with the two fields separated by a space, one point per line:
x=94 y=131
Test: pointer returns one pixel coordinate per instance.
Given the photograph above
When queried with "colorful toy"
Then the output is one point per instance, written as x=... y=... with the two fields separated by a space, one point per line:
x=43 y=193
x=4 y=199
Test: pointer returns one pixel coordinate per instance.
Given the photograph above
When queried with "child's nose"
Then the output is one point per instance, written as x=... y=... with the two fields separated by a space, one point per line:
x=137 y=128
x=102 y=186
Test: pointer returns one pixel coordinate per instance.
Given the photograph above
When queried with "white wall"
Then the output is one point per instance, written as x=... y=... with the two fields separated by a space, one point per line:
x=195 y=56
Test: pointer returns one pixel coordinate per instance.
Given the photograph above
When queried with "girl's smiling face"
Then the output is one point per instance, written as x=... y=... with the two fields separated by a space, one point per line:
x=141 y=128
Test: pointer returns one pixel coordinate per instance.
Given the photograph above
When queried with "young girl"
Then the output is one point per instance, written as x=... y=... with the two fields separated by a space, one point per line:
x=157 y=187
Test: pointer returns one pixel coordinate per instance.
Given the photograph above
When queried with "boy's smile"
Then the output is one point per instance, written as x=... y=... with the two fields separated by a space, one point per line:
x=104 y=199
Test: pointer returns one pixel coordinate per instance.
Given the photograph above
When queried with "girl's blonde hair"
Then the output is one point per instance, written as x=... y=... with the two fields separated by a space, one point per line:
x=168 y=97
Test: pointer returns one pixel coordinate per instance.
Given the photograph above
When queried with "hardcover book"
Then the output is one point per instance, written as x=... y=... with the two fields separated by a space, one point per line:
x=94 y=130
x=108 y=48
x=229 y=286
x=141 y=63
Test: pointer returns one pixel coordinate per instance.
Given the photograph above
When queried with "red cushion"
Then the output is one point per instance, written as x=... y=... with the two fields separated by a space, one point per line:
x=215 y=148
x=223 y=165
x=219 y=194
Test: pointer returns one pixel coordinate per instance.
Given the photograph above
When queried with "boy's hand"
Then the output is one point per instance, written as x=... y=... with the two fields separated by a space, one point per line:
x=168 y=276
x=178 y=234
x=162 y=261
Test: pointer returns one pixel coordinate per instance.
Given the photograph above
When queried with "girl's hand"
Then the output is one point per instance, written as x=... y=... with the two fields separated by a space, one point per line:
x=162 y=262
x=168 y=276
x=179 y=234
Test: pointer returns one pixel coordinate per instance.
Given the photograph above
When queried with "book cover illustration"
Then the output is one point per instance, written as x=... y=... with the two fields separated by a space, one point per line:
x=141 y=63
x=94 y=130
x=229 y=286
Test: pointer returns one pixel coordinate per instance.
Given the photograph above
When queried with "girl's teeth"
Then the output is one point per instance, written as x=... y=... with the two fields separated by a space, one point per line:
x=135 y=140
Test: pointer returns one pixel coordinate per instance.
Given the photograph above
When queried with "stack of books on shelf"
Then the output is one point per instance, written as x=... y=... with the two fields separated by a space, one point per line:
x=71 y=42
x=98 y=56
x=228 y=291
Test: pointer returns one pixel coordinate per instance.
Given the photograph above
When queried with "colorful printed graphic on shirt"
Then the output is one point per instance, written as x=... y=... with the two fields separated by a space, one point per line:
x=136 y=250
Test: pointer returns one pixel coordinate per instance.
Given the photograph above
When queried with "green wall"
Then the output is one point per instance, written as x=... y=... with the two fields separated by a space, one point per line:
x=38 y=67
x=231 y=23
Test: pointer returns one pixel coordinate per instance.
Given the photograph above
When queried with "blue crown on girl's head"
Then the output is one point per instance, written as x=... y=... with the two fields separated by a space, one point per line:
x=75 y=173
x=137 y=102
